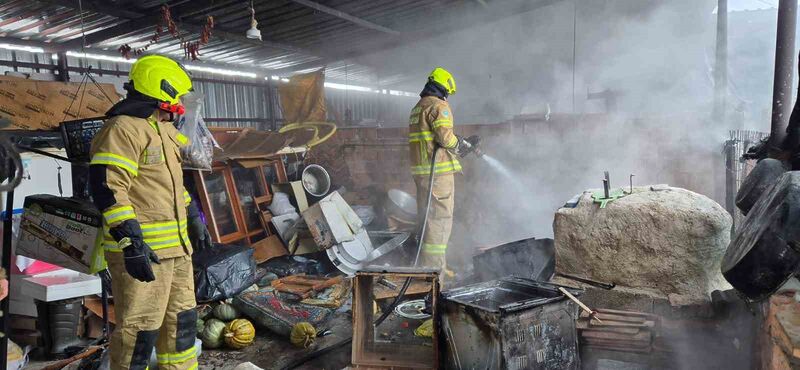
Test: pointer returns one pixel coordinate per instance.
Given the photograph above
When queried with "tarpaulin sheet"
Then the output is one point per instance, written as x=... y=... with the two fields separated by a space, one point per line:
x=303 y=98
x=42 y=105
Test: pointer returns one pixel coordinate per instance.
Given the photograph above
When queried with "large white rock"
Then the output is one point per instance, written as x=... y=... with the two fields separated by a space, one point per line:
x=661 y=238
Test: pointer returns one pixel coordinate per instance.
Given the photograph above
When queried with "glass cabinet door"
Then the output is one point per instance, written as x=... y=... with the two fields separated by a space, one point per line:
x=248 y=186
x=220 y=203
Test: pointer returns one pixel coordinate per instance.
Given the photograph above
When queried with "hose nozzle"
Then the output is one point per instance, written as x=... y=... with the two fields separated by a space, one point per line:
x=470 y=145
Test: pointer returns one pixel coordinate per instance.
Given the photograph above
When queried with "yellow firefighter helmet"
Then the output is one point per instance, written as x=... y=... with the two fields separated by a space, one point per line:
x=161 y=78
x=444 y=79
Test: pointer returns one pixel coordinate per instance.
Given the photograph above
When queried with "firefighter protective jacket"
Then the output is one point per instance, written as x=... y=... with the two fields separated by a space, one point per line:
x=135 y=173
x=431 y=122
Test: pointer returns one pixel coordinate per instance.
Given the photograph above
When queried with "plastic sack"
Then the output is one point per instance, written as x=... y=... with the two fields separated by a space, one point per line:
x=292 y=265
x=199 y=154
x=223 y=271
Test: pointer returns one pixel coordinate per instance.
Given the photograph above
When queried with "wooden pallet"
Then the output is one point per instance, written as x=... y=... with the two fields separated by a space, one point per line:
x=624 y=331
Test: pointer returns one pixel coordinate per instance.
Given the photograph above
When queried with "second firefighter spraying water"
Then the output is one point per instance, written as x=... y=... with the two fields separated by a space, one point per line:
x=434 y=150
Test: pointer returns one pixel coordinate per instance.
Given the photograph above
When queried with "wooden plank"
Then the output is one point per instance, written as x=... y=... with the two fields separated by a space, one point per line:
x=785 y=327
x=621 y=348
x=417 y=287
x=629 y=313
x=642 y=336
x=584 y=325
x=611 y=317
x=630 y=322
x=95 y=305
x=619 y=343
x=304 y=286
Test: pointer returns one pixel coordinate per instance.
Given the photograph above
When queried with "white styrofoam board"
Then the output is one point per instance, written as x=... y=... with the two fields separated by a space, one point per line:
x=56 y=288
x=16 y=279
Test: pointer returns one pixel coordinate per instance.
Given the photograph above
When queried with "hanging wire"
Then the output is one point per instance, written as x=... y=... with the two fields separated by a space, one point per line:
x=574 y=48
x=97 y=85
x=83 y=82
x=83 y=28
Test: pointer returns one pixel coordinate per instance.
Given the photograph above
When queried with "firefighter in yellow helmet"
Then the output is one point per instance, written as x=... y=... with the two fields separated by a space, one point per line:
x=150 y=222
x=431 y=126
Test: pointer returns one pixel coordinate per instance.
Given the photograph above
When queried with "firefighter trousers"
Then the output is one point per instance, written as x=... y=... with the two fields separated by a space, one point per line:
x=158 y=314
x=440 y=218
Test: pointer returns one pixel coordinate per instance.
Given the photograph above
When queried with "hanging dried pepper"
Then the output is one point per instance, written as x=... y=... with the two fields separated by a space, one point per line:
x=191 y=49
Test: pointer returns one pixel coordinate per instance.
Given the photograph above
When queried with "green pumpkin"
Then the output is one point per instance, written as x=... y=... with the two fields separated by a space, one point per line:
x=226 y=312
x=200 y=326
x=212 y=333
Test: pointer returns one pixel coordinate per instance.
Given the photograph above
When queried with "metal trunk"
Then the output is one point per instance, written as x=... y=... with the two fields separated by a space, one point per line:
x=510 y=323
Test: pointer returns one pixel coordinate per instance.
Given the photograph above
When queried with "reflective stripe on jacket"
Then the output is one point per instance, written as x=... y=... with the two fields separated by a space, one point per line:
x=136 y=169
x=431 y=122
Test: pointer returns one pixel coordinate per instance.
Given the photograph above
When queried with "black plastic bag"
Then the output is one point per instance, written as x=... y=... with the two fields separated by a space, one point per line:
x=223 y=272
x=292 y=265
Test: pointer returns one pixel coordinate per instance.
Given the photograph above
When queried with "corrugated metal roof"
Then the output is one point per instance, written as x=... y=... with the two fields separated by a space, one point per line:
x=297 y=34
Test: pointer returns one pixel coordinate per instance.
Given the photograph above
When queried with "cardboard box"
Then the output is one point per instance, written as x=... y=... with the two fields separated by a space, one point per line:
x=332 y=221
x=268 y=248
x=295 y=191
x=61 y=231
x=41 y=105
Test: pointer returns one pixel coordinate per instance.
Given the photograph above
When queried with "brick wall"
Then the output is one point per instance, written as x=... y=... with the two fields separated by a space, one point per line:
x=549 y=162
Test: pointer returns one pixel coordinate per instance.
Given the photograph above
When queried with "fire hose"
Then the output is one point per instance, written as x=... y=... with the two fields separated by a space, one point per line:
x=315 y=126
x=465 y=147
x=420 y=238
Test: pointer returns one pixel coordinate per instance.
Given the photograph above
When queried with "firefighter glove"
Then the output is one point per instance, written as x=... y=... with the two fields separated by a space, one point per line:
x=137 y=253
x=198 y=234
x=467 y=145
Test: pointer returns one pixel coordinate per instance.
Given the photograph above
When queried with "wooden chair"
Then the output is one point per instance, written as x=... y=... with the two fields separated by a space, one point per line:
x=264 y=215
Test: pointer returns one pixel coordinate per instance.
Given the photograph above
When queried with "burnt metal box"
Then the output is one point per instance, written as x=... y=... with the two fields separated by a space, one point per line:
x=510 y=323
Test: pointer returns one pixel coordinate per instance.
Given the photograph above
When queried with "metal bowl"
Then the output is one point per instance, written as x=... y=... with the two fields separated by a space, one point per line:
x=316 y=180
x=401 y=205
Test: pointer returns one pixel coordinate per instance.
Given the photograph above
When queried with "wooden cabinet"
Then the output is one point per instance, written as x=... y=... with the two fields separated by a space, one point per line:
x=227 y=195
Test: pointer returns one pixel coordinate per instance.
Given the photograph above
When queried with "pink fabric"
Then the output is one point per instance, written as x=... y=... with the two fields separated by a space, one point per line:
x=37 y=267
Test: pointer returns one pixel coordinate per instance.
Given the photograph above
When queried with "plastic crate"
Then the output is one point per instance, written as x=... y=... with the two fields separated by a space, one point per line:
x=78 y=136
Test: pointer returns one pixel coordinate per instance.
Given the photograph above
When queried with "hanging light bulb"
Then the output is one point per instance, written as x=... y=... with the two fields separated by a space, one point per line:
x=253 y=32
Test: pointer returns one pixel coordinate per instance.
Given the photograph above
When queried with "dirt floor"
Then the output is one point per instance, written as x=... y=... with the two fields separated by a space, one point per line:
x=330 y=352
x=273 y=352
